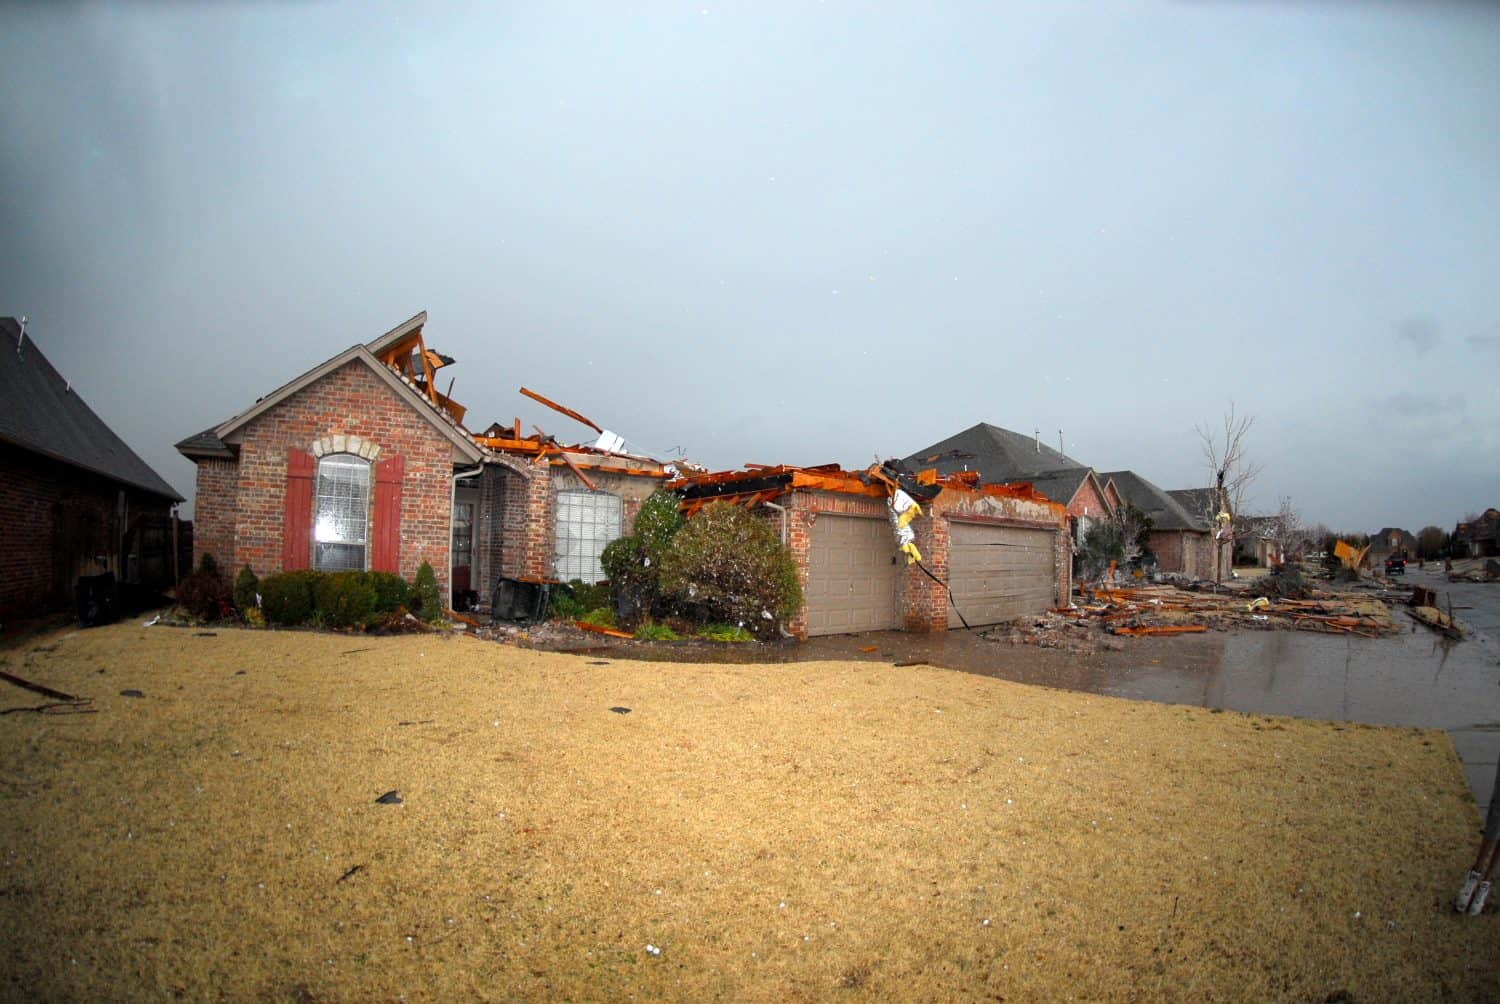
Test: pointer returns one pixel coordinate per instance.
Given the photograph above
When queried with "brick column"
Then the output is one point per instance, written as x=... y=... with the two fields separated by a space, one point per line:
x=924 y=603
x=799 y=524
x=537 y=521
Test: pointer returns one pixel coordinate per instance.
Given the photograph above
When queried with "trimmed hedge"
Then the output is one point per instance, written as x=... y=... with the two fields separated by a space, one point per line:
x=332 y=599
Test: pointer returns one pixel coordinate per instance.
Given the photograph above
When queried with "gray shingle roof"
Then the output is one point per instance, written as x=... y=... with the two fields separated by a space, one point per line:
x=1199 y=502
x=204 y=444
x=1166 y=512
x=39 y=412
x=999 y=455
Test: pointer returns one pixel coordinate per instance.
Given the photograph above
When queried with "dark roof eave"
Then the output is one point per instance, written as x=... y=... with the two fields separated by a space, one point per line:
x=170 y=494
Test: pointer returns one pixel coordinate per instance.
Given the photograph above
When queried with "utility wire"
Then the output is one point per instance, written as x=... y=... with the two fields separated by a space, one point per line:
x=934 y=578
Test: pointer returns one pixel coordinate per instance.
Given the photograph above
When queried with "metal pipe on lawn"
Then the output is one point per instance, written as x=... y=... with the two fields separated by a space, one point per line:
x=452 y=498
x=782 y=510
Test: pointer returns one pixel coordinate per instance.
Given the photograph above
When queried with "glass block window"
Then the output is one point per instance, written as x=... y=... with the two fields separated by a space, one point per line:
x=586 y=521
x=341 y=513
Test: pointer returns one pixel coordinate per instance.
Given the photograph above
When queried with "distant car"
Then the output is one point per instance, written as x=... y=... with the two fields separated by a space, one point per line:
x=1395 y=566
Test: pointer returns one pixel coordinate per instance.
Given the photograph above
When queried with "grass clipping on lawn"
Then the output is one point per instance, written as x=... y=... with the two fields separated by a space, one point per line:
x=790 y=832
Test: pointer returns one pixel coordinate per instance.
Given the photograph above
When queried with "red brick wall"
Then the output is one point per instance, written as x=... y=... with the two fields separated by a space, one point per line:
x=1187 y=552
x=214 y=513
x=1087 y=502
x=349 y=401
x=28 y=491
x=58 y=522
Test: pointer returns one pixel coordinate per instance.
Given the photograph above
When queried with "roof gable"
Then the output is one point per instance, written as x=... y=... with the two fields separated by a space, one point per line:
x=40 y=412
x=463 y=445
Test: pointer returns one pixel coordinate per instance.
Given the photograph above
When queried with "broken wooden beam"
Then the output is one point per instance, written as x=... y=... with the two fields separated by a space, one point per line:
x=559 y=408
x=37 y=688
x=1161 y=629
x=596 y=629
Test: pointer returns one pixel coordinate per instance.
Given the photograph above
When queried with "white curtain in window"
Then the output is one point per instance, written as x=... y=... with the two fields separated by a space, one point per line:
x=341 y=513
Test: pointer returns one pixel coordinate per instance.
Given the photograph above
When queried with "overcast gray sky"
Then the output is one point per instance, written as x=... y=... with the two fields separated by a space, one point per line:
x=791 y=233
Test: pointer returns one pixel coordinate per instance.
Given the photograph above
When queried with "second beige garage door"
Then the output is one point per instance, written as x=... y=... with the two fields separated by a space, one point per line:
x=998 y=573
x=851 y=579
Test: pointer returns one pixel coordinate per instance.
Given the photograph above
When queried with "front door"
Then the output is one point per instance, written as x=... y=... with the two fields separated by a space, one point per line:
x=463 y=544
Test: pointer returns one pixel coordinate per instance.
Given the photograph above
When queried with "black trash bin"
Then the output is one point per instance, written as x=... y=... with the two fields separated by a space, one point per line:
x=519 y=600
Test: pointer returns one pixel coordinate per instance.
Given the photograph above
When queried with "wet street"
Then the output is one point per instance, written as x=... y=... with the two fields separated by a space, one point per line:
x=1415 y=678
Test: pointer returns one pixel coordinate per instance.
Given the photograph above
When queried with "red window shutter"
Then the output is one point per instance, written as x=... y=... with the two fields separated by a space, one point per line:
x=296 y=526
x=386 y=556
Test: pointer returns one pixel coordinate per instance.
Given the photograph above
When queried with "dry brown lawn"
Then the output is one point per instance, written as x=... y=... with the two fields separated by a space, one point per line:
x=819 y=831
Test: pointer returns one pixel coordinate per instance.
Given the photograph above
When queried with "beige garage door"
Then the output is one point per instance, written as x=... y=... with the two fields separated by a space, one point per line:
x=851 y=580
x=998 y=573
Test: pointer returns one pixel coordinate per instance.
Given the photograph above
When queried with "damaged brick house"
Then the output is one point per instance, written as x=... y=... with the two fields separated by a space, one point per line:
x=75 y=500
x=1001 y=456
x=361 y=463
x=1003 y=551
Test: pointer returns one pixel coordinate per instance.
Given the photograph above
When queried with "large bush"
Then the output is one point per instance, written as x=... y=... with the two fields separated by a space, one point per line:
x=726 y=565
x=574 y=600
x=633 y=563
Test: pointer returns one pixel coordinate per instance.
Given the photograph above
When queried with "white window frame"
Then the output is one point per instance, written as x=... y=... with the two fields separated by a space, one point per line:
x=583 y=523
x=341 y=485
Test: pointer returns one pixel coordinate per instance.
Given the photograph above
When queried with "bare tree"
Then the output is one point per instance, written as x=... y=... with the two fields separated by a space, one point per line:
x=1287 y=531
x=1231 y=474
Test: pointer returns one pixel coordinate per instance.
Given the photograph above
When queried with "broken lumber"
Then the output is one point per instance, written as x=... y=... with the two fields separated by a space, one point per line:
x=1162 y=629
x=37 y=688
x=611 y=632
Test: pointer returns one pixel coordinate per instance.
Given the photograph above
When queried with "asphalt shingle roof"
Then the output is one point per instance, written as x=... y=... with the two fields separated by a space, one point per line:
x=1166 y=512
x=999 y=455
x=41 y=413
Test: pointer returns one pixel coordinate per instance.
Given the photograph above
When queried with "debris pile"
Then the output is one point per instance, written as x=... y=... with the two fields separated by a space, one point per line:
x=1166 y=610
x=1475 y=570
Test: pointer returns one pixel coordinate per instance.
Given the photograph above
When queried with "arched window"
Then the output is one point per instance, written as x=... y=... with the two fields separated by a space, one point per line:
x=586 y=521
x=341 y=513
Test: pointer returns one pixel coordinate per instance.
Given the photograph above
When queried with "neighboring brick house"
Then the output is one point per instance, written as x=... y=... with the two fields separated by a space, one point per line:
x=1478 y=538
x=74 y=499
x=1003 y=551
x=1392 y=542
x=1003 y=457
x=1179 y=540
x=361 y=463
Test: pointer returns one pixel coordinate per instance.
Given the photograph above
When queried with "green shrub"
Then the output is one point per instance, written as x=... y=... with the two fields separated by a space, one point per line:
x=246 y=585
x=391 y=591
x=725 y=632
x=343 y=599
x=204 y=594
x=287 y=599
x=651 y=631
x=726 y=565
x=573 y=600
x=634 y=563
x=426 y=600
x=599 y=617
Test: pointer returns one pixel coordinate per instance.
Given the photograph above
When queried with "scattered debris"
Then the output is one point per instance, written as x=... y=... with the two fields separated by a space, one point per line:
x=620 y=710
x=131 y=693
x=350 y=873
x=389 y=798
x=356 y=651
x=422 y=721
x=869 y=648
x=83 y=707
x=205 y=634
x=1086 y=626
